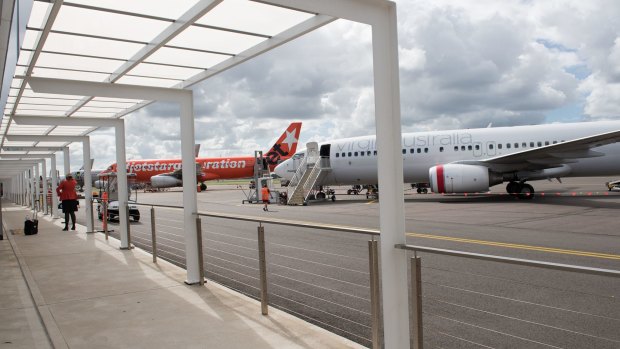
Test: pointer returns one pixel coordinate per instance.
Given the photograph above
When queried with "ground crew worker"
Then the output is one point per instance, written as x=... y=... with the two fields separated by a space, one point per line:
x=265 y=195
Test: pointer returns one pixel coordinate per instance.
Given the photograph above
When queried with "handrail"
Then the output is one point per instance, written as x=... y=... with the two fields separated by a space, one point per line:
x=509 y=260
x=277 y=221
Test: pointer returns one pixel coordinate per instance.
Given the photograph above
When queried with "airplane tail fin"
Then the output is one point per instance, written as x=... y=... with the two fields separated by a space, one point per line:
x=285 y=146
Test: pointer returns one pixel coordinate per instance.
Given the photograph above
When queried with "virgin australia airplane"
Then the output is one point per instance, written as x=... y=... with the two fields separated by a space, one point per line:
x=473 y=160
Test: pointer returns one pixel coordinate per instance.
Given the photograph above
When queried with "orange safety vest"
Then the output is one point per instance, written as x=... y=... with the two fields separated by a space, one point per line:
x=265 y=192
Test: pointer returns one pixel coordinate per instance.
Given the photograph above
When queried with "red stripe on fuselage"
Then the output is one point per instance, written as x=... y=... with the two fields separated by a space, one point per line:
x=440 y=180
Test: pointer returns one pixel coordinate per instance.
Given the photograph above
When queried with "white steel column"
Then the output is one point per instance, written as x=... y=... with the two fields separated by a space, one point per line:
x=391 y=209
x=121 y=177
x=381 y=15
x=37 y=188
x=65 y=153
x=189 y=189
x=44 y=185
x=54 y=186
x=31 y=190
x=88 y=186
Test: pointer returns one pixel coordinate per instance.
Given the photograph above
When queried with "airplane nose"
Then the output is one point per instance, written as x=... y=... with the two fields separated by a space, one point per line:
x=281 y=169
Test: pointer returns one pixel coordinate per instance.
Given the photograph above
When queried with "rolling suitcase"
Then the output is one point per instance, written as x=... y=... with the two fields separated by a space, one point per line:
x=31 y=226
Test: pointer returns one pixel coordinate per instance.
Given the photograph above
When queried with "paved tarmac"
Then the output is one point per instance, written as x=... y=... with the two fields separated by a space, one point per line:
x=322 y=276
x=76 y=290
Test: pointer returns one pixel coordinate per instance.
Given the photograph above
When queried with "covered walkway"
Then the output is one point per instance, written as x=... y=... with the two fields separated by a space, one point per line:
x=77 y=290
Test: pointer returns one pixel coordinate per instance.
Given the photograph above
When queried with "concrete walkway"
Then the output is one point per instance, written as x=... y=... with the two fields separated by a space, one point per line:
x=75 y=290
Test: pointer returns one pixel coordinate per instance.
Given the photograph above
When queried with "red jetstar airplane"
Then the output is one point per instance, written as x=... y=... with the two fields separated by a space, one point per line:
x=167 y=173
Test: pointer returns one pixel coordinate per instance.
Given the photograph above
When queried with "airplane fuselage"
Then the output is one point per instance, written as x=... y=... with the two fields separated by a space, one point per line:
x=354 y=160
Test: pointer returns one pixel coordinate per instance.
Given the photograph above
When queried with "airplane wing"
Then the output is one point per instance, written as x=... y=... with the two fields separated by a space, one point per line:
x=549 y=156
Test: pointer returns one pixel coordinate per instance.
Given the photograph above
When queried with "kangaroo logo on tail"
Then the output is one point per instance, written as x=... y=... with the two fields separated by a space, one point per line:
x=285 y=146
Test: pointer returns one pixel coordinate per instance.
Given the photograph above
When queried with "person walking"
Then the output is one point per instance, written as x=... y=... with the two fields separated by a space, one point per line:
x=68 y=196
x=265 y=195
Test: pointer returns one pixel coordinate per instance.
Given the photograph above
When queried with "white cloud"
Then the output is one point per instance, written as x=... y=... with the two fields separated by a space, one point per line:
x=463 y=64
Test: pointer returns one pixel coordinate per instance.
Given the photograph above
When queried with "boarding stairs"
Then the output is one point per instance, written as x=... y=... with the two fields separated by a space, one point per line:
x=311 y=171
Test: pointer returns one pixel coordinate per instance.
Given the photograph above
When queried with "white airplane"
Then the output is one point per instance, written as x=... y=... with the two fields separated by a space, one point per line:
x=473 y=160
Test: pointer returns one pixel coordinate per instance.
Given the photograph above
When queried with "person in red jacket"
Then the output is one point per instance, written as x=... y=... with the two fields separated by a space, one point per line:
x=68 y=196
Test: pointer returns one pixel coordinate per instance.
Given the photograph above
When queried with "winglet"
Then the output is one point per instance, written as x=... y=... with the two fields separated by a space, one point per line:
x=285 y=146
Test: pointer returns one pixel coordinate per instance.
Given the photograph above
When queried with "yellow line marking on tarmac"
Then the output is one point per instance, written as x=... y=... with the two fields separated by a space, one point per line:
x=371 y=202
x=518 y=246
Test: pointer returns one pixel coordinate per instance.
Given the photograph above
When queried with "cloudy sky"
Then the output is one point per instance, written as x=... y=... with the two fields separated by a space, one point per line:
x=463 y=64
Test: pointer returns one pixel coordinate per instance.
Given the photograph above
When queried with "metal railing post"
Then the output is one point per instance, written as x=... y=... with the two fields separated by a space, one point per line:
x=128 y=226
x=153 y=235
x=264 y=296
x=92 y=217
x=373 y=264
x=416 y=301
x=104 y=218
x=201 y=265
x=1 y=222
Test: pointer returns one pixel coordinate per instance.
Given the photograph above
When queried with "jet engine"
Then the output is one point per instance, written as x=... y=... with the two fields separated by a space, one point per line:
x=459 y=178
x=165 y=181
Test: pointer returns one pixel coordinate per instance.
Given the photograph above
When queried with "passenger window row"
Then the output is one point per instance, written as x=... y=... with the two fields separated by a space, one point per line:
x=356 y=153
x=456 y=148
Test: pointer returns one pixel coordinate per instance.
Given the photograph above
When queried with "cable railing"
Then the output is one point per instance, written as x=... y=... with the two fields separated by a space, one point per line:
x=512 y=302
x=328 y=275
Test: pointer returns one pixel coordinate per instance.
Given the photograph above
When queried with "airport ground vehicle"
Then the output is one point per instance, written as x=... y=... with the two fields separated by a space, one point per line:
x=613 y=185
x=113 y=214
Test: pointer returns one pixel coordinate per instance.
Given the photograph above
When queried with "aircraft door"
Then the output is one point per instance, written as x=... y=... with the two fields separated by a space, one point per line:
x=477 y=149
x=324 y=154
x=491 y=148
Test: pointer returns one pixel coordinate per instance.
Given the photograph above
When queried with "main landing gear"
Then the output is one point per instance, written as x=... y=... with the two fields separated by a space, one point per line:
x=520 y=190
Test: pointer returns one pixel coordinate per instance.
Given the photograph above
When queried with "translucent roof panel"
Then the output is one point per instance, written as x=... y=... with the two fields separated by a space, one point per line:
x=51 y=144
x=39 y=112
x=69 y=130
x=188 y=58
x=250 y=16
x=156 y=70
x=47 y=101
x=40 y=152
x=95 y=102
x=29 y=129
x=8 y=143
x=107 y=24
x=90 y=114
x=91 y=46
x=33 y=107
x=158 y=8
x=24 y=57
x=53 y=60
x=29 y=93
x=136 y=80
x=68 y=74
x=37 y=15
x=215 y=40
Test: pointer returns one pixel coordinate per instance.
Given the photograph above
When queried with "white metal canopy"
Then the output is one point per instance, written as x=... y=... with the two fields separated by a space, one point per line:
x=110 y=45
x=140 y=42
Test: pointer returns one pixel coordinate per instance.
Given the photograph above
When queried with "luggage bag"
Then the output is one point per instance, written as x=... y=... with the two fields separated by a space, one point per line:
x=31 y=226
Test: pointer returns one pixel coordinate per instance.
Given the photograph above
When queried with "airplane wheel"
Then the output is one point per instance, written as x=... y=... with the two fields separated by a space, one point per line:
x=527 y=192
x=203 y=187
x=513 y=188
x=320 y=195
x=419 y=191
x=424 y=191
x=333 y=198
